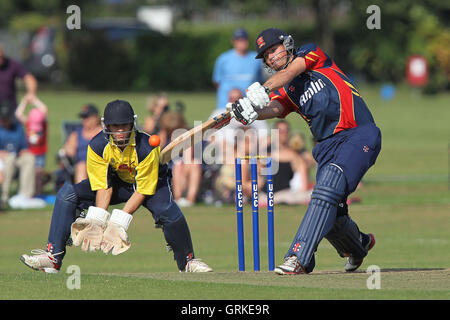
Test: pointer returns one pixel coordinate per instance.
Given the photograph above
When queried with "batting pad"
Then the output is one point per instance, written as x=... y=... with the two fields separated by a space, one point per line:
x=320 y=215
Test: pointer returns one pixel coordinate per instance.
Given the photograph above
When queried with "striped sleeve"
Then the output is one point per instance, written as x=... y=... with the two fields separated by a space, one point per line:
x=282 y=97
x=314 y=57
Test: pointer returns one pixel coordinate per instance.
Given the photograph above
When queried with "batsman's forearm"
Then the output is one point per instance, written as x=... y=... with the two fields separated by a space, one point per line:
x=283 y=77
x=279 y=79
x=273 y=110
x=103 y=198
x=134 y=202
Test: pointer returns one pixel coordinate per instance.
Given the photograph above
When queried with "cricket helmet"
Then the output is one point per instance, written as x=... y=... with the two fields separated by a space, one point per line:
x=118 y=112
x=270 y=37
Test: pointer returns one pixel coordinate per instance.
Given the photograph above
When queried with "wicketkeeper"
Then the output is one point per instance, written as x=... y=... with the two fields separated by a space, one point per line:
x=309 y=83
x=122 y=168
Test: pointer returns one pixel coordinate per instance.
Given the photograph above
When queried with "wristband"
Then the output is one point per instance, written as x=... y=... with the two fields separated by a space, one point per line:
x=121 y=218
x=98 y=214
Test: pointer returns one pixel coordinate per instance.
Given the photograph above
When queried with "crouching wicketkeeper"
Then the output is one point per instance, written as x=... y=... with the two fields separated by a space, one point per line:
x=122 y=168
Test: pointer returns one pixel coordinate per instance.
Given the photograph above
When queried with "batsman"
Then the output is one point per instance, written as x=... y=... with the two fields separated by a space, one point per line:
x=122 y=168
x=308 y=82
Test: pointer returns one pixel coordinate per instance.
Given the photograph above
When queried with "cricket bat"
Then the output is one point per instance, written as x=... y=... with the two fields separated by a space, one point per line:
x=217 y=122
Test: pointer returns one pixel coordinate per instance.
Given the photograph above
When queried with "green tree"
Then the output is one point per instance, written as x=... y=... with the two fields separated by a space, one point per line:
x=407 y=28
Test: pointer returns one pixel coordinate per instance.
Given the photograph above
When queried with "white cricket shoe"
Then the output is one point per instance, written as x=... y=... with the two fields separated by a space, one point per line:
x=41 y=260
x=184 y=203
x=291 y=266
x=197 y=265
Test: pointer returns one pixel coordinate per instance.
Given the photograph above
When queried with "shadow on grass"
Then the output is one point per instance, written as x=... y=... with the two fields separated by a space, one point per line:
x=411 y=269
x=383 y=270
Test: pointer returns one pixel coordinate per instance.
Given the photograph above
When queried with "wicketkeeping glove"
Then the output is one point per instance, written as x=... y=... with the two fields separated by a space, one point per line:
x=258 y=95
x=243 y=111
x=115 y=237
x=88 y=231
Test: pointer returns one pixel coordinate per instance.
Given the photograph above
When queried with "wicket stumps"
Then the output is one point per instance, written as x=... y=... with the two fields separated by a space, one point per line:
x=255 y=212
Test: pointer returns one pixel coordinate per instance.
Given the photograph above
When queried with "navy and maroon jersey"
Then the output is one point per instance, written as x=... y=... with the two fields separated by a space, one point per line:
x=323 y=95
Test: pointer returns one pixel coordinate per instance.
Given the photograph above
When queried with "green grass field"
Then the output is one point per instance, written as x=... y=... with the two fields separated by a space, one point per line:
x=405 y=203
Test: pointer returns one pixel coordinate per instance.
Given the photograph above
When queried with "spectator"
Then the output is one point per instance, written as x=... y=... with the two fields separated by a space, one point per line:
x=225 y=183
x=168 y=123
x=186 y=171
x=291 y=182
x=297 y=143
x=77 y=142
x=14 y=154
x=10 y=70
x=235 y=68
x=35 y=124
x=156 y=108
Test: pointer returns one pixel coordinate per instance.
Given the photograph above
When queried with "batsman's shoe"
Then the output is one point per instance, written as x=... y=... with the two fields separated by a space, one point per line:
x=41 y=260
x=353 y=263
x=197 y=265
x=291 y=266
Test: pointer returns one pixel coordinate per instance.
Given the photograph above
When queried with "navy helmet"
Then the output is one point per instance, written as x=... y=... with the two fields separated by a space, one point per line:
x=119 y=112
x=270 y=37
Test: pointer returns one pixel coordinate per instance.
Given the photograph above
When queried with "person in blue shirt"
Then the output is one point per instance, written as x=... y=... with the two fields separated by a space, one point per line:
x=236 y=68
x=14 y=154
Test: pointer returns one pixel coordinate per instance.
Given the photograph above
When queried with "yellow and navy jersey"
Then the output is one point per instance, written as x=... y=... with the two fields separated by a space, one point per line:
x=323 y=95
x=137 y=164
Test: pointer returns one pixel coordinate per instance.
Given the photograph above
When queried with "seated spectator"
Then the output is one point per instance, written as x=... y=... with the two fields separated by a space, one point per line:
x=35 y=124
x=297 y=143
x=291 y=182
x=77 y=142
x=225 y=183
x=156 y=108
x=186 y=171
x=14 y=154
x=168 y=123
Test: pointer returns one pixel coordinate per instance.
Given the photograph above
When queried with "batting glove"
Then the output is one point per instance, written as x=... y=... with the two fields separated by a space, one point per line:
x=115 y=237
x=243 y=111
x=88 y=231
x=258 y=95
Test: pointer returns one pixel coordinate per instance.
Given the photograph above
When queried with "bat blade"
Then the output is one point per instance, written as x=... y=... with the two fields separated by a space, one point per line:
x=218 y=122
